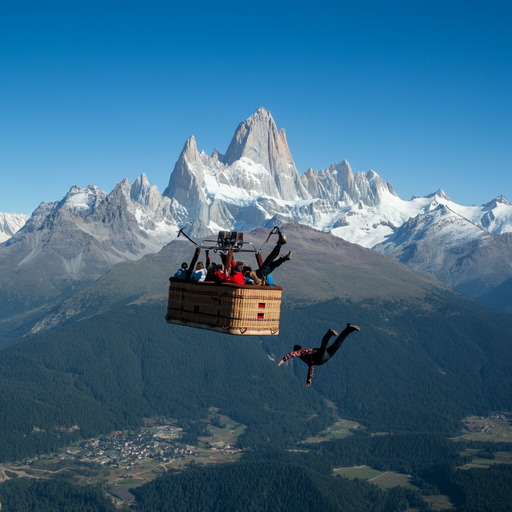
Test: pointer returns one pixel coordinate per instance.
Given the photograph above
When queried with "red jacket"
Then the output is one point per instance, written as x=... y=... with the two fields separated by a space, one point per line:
x=238 y=278
x=220 y=275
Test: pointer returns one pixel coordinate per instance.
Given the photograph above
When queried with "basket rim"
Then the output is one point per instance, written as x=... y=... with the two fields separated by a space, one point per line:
x=228 y=285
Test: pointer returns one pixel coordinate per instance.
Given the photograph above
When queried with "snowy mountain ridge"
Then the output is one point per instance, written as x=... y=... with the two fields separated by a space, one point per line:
x=256 y=183
x=11 y=223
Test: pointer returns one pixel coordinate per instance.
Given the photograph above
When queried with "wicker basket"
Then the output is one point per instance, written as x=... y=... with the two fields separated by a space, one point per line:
x=228 y=308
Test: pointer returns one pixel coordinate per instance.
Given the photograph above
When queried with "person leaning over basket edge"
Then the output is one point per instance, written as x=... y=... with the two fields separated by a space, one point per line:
x=270 y=263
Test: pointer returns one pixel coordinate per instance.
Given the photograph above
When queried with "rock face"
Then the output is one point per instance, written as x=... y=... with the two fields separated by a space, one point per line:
x=256 y=181
x=11 y=223
x=67 y=245
x=333 y=184
x=258 y=139
x=338 y=184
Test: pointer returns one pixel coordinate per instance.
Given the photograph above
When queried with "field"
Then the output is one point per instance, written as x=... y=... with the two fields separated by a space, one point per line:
x=384 y=479
x=480 y=462
x=342 y=428
x=439 y=502
x=497 y=427
x=225 y=436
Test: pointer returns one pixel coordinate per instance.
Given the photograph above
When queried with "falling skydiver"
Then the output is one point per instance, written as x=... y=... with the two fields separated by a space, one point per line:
x=317 y=356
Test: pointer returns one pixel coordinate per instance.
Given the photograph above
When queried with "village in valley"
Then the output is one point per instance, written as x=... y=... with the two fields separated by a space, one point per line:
x=125 y=459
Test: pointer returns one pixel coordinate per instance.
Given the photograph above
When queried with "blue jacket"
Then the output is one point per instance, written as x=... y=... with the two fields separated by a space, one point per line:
x=181 y=273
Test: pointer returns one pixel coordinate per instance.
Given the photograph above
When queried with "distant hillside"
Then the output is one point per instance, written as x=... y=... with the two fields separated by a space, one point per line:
x=322 y=267
x=499 y=297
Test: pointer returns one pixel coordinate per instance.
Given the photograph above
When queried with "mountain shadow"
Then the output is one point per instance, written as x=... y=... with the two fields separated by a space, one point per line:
x=499 y=297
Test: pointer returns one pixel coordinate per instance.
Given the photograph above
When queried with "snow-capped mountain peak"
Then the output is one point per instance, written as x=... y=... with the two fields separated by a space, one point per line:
x=439 y=195
x=453 y=249
x=441 y=222
x=11 y=223
x=142 y=192
x=259 y=140
x=501 y=199
x=82 y=198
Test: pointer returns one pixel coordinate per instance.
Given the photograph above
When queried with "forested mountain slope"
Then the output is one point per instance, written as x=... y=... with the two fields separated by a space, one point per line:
x=110 y=371
x=500 y=297
x=267 y=486
x=410 y=368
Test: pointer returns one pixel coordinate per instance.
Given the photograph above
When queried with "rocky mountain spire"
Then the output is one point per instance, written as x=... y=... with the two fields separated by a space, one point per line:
x=258 y=139
x=187 y=181
x=142 y=192
x=333 y=184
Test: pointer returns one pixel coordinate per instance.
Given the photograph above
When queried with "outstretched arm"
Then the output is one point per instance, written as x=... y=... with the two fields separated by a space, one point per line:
x=310 y=375
x=296 y=353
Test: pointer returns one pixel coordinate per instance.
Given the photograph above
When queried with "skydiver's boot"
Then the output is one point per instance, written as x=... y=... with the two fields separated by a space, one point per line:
x=288 y=256
x=282 y=238
x=352 y=328
x=339 y=340
x=333 y=332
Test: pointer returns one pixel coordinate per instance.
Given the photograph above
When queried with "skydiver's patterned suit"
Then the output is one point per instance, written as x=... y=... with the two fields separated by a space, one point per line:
x=317 y=356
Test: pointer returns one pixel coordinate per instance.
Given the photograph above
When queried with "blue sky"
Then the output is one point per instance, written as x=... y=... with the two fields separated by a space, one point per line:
x=420 y=92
